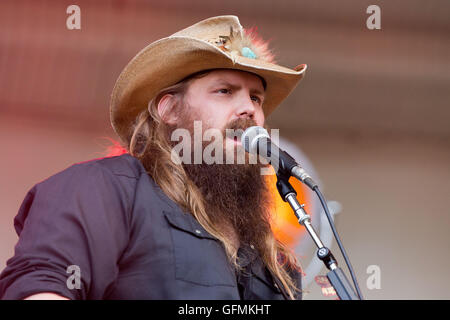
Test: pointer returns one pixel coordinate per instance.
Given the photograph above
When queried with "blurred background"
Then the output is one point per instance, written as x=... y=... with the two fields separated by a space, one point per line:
x=372 y=114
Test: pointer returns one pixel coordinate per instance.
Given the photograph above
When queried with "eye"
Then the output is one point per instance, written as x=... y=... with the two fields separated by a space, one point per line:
x=257 y=99
x=224 y=90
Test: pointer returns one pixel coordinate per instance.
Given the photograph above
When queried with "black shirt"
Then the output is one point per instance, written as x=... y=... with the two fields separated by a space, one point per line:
x=128 y=240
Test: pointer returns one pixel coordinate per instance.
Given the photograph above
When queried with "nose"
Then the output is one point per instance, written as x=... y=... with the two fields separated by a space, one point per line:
x=245 y=108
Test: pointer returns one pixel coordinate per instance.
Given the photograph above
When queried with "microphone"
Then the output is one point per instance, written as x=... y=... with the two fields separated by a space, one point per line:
x=256 y=140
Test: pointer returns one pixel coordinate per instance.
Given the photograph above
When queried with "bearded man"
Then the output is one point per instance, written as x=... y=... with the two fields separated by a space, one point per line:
x=142 y=226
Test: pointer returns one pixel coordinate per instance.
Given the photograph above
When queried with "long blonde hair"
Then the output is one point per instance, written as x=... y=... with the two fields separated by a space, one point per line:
x=148 y=142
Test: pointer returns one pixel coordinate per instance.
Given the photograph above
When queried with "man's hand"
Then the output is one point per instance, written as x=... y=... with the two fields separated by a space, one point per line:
x=46 y=296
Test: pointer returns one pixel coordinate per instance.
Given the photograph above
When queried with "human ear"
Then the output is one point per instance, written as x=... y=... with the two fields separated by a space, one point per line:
x=166 y=109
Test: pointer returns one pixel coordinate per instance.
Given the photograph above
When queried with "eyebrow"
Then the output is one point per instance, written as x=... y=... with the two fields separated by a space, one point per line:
x=235 y=87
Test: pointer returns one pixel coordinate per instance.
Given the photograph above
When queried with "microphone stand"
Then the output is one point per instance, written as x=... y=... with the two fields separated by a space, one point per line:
x=336 y=276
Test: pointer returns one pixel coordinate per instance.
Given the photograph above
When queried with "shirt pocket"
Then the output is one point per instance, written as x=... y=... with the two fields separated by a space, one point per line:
x=199 y=257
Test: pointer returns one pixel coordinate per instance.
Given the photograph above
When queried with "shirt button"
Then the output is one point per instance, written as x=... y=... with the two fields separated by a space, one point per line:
x=252 y=246
x=198 y=231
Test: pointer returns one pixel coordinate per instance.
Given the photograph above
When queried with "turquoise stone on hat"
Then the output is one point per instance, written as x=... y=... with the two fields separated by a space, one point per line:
x=247 y=52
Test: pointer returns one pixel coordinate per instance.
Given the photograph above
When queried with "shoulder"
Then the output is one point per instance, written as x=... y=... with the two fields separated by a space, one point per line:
x=121 y=169
x=112 y=177
x=124 y=165
x=94 y=183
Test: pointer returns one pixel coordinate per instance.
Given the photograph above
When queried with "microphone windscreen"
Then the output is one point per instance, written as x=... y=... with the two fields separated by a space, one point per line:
x=250 y=137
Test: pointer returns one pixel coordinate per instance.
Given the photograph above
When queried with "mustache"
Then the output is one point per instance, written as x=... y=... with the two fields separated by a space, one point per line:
x=235 y=128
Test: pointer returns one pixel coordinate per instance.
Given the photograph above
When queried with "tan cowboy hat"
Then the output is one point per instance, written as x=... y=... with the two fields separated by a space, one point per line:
x=215 y=43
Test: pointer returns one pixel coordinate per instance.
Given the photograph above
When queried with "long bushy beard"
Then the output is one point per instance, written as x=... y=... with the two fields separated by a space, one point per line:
x=235 y=195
